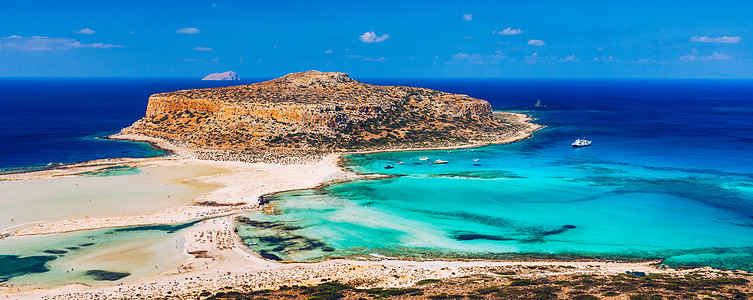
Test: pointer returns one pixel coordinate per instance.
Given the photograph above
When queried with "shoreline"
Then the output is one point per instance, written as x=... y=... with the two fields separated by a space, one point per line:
x=228 y=262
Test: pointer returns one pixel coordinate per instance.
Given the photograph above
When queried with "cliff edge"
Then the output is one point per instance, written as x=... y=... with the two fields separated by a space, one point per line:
x=318 y=111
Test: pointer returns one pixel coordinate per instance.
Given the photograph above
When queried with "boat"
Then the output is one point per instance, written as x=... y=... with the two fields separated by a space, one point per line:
x=400 y=162
x=439 y=161
x=539 y=104
x=389 y=166
x=581 y=143
x=423 y=158
x=475 y=159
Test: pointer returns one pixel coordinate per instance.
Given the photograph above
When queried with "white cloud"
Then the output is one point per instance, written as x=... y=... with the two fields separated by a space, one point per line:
x=468 y=17
x=95 y=45
x=476 y=58
x=329 y=51
x=468 y=37
x=374 y=59
x=188 y=30
x=365 y=58
x=371 y=37
x=203 y=49
x=43 y=43
x=715 y=56
x=606 y=58
x=718 y=56
x=84 y=31
x=510 y=31
x=722 y=40
x=536 y=43
x=570 y=58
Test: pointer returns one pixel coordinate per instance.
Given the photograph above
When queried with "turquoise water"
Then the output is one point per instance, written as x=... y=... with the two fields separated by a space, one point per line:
x=515 y=205
x=664 y=179
x=93 y=257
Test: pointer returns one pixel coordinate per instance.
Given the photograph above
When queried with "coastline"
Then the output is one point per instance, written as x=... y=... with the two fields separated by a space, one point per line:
x=228 y=262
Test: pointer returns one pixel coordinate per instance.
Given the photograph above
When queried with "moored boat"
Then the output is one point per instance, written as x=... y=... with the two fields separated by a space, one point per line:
x=439 y=161
x=581 y=143
x=423 y=158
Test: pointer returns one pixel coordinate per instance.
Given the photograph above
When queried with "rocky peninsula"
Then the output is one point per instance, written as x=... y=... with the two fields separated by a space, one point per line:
x=321 y=112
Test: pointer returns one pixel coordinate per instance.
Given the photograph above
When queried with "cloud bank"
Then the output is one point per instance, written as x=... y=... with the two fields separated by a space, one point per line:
x=715 y=56
x=720 y=40
x=43 y=43
x=468 y=17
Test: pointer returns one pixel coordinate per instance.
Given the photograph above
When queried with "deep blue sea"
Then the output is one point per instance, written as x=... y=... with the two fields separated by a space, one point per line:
x=669 y=174
x=59 y=120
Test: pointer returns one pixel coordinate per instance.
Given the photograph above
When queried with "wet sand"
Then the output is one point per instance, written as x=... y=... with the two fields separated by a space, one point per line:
x=144 y=190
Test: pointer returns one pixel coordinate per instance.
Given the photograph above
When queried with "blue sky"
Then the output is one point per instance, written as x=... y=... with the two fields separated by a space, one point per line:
x=405 y=39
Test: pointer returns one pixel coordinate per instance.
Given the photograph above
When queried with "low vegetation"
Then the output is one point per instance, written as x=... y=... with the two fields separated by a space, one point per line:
x=492 y=285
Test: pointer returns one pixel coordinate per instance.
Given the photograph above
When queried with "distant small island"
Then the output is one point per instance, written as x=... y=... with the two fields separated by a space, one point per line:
x=229 y=75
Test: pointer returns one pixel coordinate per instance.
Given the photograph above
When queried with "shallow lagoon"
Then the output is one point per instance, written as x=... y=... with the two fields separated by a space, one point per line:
x=93 y=257
x=581 y=208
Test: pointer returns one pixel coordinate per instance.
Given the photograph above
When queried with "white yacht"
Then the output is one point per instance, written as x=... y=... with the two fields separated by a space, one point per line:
x=582 y=143
x=423 y=158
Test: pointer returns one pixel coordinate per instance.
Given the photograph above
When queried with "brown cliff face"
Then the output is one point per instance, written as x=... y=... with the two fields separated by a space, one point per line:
x=319 y=111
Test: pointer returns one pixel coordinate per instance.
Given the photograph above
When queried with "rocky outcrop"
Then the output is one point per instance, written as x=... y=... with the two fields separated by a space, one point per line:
x=319 y=111
x=229 y=75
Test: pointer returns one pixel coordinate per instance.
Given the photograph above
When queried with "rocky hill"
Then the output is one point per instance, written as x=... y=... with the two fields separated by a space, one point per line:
x=322 y=112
